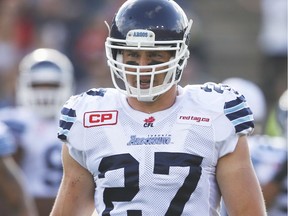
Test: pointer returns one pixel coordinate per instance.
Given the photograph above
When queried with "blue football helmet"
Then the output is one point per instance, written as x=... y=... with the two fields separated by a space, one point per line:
x=148 y=25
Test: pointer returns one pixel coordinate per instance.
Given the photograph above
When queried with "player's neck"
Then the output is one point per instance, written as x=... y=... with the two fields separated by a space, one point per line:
x=163 y=102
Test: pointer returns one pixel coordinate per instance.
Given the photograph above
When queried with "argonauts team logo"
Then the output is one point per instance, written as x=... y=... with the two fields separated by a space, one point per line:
x=150 y=140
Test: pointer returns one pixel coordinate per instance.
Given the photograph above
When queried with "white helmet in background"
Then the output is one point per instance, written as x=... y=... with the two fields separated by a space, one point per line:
x=253 y=94
x=282 y=112
x=45 y=81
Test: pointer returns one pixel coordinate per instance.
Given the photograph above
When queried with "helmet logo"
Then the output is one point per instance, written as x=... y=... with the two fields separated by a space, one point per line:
x=140 y=34
x=140 y=37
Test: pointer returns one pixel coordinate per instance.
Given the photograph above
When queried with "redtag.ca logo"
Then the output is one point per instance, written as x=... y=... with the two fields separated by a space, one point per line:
x=100 y=118
x=194 y=119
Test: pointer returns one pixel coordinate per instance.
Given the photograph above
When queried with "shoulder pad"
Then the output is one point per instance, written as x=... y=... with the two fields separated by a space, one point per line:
x=68 y=116
x=235 y=106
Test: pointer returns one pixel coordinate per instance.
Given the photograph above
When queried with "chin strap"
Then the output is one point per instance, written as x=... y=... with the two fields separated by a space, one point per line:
x=148 y=99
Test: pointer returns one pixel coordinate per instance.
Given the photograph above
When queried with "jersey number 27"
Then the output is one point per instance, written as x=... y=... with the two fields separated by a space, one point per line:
x=163 y=160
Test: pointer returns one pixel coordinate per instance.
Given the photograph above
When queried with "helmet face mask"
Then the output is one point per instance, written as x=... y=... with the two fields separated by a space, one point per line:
x=45 y=82
x=141 y=26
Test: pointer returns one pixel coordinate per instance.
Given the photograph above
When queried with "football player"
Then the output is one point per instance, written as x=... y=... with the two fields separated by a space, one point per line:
x=269 y=156
x=15 y=201
x=150 y=146
x=45 y=82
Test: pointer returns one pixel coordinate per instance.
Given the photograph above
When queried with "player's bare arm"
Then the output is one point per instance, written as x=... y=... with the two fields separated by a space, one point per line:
x=17 y=201
x=76 y=194
x=238 y=183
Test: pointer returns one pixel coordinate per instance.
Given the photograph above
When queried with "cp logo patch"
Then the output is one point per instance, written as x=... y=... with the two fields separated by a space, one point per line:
x=100 y=118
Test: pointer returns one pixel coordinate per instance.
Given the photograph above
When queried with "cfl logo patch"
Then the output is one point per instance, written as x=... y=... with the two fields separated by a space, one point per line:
x=100 y=118
x=149 y=122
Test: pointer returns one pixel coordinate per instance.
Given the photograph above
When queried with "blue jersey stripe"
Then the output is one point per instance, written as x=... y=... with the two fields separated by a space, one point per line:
x=67 y=118
x=62 y=137
x=235 y=102
x=244 y=126
x=235 y=108
x=96 y=92
x=239 y=113
x=63 y=131
x=65 y=125
x=62 y=134
x=241 y=120
x=68 y=112
x=66 y=121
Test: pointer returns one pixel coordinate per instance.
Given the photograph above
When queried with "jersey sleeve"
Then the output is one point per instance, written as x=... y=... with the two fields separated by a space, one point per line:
x=71 y=129
x=234 y=117
x=237 y=110
x=67 y=118
x=72 y=111
x=68 y=124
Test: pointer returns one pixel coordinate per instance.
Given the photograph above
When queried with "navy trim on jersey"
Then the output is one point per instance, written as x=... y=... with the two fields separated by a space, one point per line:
x=65 y=125
x=67 y=119
x=68 y=112
x=239 y=113
x=96 y=92
x=244 y=126
x=62 y=137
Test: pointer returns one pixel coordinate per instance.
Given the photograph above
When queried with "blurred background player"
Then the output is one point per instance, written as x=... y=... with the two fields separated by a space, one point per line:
x=268 y=153
x=45 y=82
x=14 y=199
x=271 y=162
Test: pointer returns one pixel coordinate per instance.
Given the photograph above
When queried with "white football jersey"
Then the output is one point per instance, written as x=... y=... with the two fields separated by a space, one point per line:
x=41 y=148
x=7 y=142
x=155 y=164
